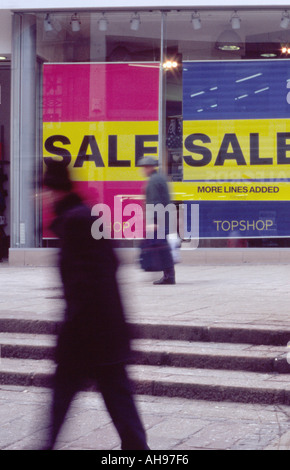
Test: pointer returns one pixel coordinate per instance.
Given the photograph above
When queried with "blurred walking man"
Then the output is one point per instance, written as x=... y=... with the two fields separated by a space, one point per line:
x=94 y=341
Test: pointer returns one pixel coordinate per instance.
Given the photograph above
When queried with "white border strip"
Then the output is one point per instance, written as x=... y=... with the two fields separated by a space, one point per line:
x=141 y=4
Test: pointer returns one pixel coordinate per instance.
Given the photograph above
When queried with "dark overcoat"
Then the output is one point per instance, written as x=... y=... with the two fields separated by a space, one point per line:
x=94 y=331
x=155 y=254
x=157 y=190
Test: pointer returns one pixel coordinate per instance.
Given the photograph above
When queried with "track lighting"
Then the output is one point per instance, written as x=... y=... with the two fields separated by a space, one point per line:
x=195 y=19
x=103 y=23
x=285 y=20
x=75 y=23
x=47 y=23
x=135 y=22
x=235 y=21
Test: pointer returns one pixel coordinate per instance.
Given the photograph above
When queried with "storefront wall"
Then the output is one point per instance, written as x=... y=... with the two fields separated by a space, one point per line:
x=175 y=38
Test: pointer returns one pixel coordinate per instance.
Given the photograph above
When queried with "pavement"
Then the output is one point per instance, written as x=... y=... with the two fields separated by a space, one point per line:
x=245 y=296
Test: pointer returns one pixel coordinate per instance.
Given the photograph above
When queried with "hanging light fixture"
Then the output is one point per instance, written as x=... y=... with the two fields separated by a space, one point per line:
x=75 y=23
x=285 y=20
x=235 y=21
x=196 y=21
x=47 y=23
x=229 y=40
x=135 y=22
x=103 y=23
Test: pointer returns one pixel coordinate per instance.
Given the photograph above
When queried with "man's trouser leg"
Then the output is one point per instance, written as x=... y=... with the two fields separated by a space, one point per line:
x=65 y=387
x=115 y=387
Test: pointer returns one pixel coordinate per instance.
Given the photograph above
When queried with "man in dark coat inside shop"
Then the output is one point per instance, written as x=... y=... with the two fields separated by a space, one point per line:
x=94 y=341
x=157 y=192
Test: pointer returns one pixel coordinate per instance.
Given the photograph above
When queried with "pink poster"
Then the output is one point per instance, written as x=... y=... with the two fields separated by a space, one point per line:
x=101 y=119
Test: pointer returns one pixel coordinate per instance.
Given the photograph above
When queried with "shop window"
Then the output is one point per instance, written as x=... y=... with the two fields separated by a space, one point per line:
x=167 y=42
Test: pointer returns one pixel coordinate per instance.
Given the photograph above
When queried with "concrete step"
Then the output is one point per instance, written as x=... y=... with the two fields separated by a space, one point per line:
x=26 y=372
x=209 y=355
x=198 y=384
x=212 y=385
x=172 y=360
x=27 y=345
x=173 y=353
x=226 y=334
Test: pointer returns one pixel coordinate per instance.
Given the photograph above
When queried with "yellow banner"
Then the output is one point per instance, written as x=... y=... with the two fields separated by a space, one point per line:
x=101 y=151
x=218 y=191
x=236 y=150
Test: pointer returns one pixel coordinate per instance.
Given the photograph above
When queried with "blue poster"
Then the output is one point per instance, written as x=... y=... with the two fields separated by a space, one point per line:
x=236 y=147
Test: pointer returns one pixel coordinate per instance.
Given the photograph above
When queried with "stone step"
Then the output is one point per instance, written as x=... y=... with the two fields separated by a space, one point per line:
x=198 y=384
x=226 y=334
x=212 y=385
x=196 y=354
x=26 y=372
x=27 y=345
x=209 y=355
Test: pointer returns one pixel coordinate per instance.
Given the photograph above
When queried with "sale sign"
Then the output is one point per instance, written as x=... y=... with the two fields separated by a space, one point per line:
x=100 y=119
x=236 y=146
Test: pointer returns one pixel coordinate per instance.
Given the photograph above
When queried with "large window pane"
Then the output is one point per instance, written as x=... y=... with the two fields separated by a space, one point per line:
x=101 y=105
x=227 y=83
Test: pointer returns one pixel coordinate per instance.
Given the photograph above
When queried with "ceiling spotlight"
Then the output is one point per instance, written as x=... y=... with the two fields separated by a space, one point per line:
x=285 y=20
x=170 y=64
x=285 y=49
x=235 y=21
x=135 y=22
x=47 y=23
x=75 y=23
x=103 y=23
x=195 y=19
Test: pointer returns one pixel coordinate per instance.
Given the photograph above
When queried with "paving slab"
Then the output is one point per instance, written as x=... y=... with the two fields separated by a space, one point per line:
x=171 y=423
x=240 y=295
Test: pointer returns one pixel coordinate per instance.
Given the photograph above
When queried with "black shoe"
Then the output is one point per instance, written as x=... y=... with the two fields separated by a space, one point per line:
x=164 y=280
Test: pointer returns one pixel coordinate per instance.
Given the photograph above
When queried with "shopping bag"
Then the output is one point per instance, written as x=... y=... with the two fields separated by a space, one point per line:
x=154 y=255
x=175 y=245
